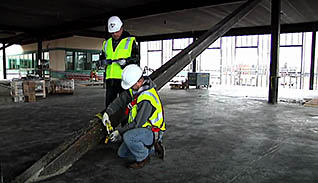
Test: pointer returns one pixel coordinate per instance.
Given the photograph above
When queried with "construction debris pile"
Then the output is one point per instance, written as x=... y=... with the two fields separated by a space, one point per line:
x=27 y=90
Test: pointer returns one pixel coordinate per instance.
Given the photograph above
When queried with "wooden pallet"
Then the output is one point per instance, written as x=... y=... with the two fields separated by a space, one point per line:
x=312 y=103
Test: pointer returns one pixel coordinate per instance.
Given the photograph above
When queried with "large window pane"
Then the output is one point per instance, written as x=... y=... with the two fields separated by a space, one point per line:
x=154 y=61
x=69 y=65
x=80 y=61
x=290 y=66
x=246 y=66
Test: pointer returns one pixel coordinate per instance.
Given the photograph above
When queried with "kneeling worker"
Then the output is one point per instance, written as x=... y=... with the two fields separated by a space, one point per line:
x=146 y=125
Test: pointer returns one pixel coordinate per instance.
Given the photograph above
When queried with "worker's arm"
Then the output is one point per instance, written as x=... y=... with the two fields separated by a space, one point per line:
x=144 y=112
x=119 y=103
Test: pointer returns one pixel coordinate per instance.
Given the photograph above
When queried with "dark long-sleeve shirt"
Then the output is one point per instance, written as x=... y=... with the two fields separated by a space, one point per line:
x=144 y=108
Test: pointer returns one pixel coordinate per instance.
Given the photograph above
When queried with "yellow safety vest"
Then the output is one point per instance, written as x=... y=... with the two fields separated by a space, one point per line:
x=156 y=119
x=122 y=51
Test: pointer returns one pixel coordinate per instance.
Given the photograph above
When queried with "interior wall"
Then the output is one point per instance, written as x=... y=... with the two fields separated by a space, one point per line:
x=57 y=60
x=57 y=52
x=75 y=42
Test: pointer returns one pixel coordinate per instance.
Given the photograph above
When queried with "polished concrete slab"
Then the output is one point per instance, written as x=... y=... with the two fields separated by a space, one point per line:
x=220 y=134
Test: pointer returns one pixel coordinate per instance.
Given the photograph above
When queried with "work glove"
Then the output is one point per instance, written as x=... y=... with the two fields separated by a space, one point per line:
x=105 y=118
x=122 y=62
x=114 y=136
x=99 y=115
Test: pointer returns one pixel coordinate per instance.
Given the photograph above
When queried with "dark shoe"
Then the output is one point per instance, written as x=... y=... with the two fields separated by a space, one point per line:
x=140 y=164
x=160 y=150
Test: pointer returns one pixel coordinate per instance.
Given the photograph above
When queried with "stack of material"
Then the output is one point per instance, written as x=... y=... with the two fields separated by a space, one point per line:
x=179 y=85
x=40 y=90
x=312 y=103
x=17 y=91
x=29 y=90
x=64 y=86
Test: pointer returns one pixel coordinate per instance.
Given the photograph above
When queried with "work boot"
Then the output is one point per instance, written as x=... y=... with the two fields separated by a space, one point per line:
x=140 y=164
x=160 y=150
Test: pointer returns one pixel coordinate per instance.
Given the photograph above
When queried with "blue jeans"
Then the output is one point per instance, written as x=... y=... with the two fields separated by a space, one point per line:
x=134 y=144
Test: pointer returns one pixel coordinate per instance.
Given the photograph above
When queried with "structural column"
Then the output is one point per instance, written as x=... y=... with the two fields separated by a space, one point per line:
x=275 y=43
x=194 y=62
x=4 y=61
x=39 y=58
x=312 y=65
x=39 y=52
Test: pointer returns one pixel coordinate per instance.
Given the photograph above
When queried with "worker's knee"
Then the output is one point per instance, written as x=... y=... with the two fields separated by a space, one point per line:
x=138 y=136
x=124 y=152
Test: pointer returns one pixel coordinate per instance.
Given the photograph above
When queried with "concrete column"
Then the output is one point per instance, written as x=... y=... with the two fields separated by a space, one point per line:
x=194 y=62
x=275 y=43
x=38 y=59
x=4 y=61
x=312 y=65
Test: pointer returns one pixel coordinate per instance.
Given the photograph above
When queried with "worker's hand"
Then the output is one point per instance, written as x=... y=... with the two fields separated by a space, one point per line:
x=122 y=62
x=105 y=118
x=114 y=136
x=107 y=62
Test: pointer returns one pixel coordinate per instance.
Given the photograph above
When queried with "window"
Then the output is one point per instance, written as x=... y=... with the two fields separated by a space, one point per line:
x=12 y=62
x=69 y=64
x=180 y=44
x=81 y=61
x=95 y=57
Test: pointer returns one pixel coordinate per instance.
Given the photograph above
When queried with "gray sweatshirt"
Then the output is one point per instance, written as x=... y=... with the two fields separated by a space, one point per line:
x=144 y=108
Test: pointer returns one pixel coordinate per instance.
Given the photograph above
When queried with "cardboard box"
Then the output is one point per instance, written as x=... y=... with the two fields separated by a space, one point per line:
x=28 y=87
x=30 y=98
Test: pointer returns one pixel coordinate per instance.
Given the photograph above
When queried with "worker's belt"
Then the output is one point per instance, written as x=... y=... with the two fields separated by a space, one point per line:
x=155 y=129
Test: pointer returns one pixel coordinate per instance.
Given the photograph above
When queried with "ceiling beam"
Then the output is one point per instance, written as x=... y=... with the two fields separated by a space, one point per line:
x=285 y=28
x=149 y=9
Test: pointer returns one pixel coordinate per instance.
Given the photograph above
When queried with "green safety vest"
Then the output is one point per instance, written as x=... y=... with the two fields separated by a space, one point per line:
x=122 y=51
x=156 y=119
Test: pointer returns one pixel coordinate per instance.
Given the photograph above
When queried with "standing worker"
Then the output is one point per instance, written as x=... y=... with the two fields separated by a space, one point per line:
x=120 y=50
x=143 y=133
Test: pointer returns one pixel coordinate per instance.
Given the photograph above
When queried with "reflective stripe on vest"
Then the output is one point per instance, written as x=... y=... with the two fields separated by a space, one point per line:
x=157 y=118
x=122 y=51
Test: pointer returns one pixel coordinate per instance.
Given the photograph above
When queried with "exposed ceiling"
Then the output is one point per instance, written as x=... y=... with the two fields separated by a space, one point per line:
x=25 y=22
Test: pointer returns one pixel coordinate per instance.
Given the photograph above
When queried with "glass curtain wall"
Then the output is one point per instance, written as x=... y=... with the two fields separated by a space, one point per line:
x=156 y=53
x=241 y=60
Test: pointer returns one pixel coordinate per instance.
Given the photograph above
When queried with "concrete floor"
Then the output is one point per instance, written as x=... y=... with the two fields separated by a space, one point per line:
x=214 y=135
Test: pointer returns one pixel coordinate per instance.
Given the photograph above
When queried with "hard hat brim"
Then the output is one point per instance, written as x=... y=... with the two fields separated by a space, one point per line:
x=113 y=30
x=125 y=85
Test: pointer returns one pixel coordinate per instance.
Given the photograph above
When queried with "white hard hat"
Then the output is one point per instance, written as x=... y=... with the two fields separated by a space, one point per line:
x=131 y=74
x=114 y=24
